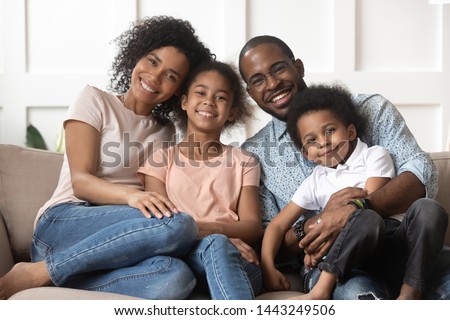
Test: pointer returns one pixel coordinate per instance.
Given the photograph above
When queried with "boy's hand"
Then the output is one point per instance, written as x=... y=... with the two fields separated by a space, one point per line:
x=274 y=280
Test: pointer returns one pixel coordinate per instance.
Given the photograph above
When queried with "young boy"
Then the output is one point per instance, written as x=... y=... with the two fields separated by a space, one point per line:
x=323 y=124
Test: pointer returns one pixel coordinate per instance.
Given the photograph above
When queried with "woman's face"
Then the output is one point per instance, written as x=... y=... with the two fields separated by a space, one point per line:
x=158 y=75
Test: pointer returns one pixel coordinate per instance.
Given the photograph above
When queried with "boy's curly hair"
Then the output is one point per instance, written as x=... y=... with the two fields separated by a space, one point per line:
x=240 y=100
x=335 y=98
x=147 y=35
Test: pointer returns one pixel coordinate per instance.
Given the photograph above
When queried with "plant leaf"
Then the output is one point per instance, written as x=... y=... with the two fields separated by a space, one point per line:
x=34 y=138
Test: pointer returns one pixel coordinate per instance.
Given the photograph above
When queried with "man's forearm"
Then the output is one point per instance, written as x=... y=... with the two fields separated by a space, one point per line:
x=397 y=195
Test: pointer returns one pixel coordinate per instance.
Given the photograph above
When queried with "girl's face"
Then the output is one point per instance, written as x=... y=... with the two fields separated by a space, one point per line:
x=208 y=103
x=325 y=138
x=158 y=75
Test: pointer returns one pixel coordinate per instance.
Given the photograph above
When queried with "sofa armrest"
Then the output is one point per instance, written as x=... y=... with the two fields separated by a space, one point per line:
x=6 y=257
x=442 y=162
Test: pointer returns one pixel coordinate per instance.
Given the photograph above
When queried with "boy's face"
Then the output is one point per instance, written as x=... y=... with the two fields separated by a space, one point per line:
x=325 y=138
x=208 y=103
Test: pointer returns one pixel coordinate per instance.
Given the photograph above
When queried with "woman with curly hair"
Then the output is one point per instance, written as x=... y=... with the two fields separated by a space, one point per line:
x=215 y=183
x=100 y=230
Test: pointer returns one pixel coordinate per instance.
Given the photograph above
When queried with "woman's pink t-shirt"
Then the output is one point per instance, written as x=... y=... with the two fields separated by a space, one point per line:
x=126 y=140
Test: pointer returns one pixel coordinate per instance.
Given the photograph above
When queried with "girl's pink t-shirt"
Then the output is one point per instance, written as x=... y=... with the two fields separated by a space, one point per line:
x=207 y=190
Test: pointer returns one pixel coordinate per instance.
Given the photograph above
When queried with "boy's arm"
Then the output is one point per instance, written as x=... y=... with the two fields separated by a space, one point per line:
x=273 y=238
x=375 y=183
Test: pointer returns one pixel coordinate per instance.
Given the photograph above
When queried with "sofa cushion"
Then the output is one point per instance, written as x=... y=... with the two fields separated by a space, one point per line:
x=53 y=293
x=28 y=178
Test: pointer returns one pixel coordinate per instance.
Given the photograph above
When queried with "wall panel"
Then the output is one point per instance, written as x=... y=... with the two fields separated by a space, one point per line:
x=306 y=26
x=399 y=35
x=75 y=40
x=2 y=39
x=424 y=116
x=50 y=49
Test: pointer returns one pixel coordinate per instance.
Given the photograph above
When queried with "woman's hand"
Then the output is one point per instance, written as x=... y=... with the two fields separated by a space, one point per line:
x=154 y=202
x=246 y=251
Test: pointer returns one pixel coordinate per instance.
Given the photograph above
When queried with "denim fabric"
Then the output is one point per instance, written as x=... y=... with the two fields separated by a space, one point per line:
x=412 y=251
x=114 y=248
x=218 y=266
x=357 y=244
x=438 y=286
x=360 y=285
x=352 y=253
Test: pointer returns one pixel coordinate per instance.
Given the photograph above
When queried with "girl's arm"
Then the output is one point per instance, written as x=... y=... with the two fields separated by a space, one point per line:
x=249 y=226
x=82 y=145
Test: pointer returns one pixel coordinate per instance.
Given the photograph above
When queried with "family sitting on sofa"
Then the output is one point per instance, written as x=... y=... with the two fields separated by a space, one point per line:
x=192 y=214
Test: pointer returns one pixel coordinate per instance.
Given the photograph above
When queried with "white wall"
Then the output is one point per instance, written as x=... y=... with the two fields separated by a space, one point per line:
x=50 y=49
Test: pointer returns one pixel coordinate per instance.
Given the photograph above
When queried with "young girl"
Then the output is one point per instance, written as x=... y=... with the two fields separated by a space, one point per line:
x=324 y=125
x=96 y=232
x=216 y=184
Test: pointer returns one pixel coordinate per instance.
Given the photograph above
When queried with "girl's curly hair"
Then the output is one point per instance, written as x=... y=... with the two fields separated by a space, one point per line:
x=147 y=35
x=335 y=98
x=240 y=99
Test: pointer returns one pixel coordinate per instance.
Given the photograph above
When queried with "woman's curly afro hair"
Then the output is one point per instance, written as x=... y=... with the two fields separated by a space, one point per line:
x=147 y=35
x=240 y=101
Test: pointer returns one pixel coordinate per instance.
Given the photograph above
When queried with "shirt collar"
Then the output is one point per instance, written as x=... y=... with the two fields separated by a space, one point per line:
x=357 y=152
x=354 y=158
x=279 y=127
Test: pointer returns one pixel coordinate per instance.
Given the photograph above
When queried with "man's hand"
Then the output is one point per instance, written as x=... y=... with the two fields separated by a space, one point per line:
x=342 y=197
x=322 y=231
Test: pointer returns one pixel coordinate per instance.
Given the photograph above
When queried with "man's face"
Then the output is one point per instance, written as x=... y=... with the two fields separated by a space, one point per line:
x=278 y=86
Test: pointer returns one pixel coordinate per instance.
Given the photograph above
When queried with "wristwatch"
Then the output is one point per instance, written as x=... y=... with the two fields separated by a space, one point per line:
x=361 y=203
x=299 y=230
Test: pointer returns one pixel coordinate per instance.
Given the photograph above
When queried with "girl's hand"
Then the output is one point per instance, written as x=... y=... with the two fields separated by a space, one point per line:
x=154 y=202
x=246 y=251
x=274 y=280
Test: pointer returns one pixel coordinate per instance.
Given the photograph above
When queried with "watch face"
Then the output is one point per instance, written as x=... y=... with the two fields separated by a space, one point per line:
x=367 y=203
x=299 y=230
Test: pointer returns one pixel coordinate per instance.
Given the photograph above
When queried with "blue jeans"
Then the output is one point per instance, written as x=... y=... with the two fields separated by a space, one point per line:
x=218 y=266
x=114 y=248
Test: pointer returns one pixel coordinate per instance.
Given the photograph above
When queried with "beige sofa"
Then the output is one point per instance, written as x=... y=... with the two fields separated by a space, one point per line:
x=28 y=178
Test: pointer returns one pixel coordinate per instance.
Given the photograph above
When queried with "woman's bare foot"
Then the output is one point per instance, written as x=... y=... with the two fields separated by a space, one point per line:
x=409 y=293
x=24 y=275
